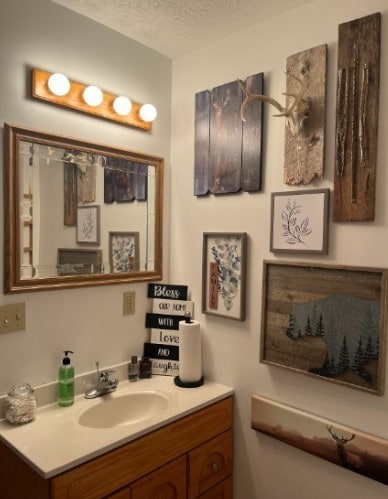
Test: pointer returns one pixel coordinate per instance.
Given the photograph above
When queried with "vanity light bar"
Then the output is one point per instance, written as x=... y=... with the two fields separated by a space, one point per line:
x=74 y=99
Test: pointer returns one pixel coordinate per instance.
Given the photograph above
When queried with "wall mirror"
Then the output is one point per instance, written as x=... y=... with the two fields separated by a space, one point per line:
x=78 y=213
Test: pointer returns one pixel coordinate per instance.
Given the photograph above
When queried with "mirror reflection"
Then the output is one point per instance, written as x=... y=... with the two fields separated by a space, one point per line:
x=83 y=213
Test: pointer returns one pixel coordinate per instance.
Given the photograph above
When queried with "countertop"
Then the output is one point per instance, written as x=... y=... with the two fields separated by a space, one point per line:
x=55 y=442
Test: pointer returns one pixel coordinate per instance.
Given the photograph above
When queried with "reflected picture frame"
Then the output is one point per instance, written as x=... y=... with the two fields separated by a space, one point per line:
x=88 y=225
x=124 y=251
x=224 y=274
x=299 y=221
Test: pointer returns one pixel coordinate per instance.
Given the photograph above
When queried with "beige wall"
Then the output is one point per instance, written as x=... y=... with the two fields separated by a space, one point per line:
x=89 y=321
x=265 y=468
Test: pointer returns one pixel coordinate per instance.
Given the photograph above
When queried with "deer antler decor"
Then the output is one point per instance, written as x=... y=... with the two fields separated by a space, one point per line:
x=296 y=113
x=304 y=113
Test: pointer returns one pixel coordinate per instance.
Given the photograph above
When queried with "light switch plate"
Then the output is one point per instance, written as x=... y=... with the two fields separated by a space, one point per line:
x=129 y=299
x=12 y=317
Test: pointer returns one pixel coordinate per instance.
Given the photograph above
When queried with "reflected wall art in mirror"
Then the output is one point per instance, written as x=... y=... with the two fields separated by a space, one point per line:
x=63 y=199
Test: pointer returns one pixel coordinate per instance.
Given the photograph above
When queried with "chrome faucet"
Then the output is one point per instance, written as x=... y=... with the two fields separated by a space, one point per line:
x=105 y=384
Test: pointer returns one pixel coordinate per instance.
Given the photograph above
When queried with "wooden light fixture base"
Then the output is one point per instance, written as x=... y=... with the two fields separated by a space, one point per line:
x=74 y=100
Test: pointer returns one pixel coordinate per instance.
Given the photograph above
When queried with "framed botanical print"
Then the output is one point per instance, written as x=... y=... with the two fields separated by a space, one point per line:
x=124 y=251
x=224 y=274
x=299 y=221
x=88 y=224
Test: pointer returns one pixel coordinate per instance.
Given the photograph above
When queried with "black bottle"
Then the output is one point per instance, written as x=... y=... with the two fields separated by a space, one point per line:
x=145 y=368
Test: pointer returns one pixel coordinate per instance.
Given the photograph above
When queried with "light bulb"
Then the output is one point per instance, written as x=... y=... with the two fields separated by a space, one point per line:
x=93 y=96
x=122 y=105
x=148 y=112
x=58 y=84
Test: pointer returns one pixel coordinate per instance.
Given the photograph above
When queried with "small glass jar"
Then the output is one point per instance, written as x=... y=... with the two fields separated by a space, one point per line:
x=20 y=404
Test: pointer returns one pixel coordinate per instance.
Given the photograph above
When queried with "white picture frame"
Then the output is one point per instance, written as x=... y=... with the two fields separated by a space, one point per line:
x=299 y=221
x=88 y=224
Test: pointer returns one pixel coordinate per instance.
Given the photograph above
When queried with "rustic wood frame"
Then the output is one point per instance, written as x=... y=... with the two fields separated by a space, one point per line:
x=301 y=240
x=240 y=275
x=326 y=301
x=133 y=262
x=79 y=261
x=14 y=281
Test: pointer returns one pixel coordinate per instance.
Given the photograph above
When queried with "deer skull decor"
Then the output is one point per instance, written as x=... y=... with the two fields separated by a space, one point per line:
x=296 y=113
x=304 y=113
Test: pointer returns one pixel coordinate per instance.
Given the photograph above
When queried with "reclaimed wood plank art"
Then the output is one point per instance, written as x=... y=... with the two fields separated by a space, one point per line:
x=124 y=181
x=227 y=151
x=70 y=193
x=225 y=139
x=304 y=152
x=352 y=449
x=326 y=322
x=79 y=261
x=357 y=119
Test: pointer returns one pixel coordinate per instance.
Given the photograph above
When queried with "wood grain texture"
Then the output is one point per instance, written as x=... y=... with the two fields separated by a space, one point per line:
x=210 y=463
x=130 y=462
x=223 y=490
x=252 y=132
x=357 y=112
x=124 y=493
x=167 y=482
x=225 y=139
x=349 y=302
x=201 y=143
x=70 y=194
x=227 y=150
x=18 y=480
x=73 y=100
x=304 y=154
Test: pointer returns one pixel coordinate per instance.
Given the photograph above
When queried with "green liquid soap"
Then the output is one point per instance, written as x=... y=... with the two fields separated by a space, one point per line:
x=66 y=382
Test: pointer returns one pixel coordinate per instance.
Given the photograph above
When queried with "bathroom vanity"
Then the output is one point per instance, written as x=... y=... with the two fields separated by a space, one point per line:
x=185 y=452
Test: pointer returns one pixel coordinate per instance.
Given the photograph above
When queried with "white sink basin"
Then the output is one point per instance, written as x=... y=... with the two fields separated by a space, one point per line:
x=110 y=411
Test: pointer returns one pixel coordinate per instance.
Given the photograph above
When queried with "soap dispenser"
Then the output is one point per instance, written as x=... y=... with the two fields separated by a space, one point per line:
x=66 y=381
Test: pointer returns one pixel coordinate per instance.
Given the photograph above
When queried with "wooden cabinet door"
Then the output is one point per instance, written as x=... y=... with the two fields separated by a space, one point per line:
x=223 y=490
x=210 y=463
x=167 y=482
x=120 y=494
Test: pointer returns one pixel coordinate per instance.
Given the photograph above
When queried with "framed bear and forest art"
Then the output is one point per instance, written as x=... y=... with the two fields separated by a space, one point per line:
x=326 y=322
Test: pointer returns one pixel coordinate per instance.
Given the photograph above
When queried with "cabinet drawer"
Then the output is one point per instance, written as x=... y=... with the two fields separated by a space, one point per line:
x=223 y=490
x=210 y=463
x=168 y=482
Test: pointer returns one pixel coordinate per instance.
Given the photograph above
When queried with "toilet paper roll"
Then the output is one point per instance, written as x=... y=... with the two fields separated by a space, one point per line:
x=190 y=356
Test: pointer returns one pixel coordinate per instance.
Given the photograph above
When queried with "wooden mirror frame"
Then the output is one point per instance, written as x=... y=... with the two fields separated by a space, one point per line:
x=13 y=283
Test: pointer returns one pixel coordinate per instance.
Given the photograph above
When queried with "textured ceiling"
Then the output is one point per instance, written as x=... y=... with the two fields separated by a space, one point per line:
x=174 y=27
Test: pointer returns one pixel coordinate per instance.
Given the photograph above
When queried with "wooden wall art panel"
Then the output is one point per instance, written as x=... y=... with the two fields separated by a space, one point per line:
x=357 y=119
x=326 y=322
x=343 y=446
x=227 y=149
x=304 y=152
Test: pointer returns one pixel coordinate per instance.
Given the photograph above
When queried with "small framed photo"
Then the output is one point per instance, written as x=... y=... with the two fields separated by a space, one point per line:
x=124 y=251
x=224 y=274
x=88 y=224
x=299 y=221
